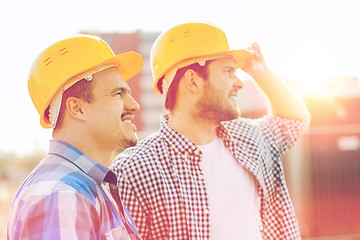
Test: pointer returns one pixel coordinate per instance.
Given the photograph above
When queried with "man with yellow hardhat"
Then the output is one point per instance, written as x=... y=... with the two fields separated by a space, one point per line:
x=208 y=173
x=78 y=86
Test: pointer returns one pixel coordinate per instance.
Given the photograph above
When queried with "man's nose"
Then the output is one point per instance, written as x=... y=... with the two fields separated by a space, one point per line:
x=238 y=84
x=131 y=104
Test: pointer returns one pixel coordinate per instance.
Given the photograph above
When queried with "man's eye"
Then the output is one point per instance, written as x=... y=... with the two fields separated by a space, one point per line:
x=122 y=93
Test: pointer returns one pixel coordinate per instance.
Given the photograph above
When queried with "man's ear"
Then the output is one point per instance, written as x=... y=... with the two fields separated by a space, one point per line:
x=75 y=108
x=192 y=81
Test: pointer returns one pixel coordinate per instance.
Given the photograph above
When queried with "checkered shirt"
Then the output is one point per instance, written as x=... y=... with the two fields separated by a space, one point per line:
x=162 y=184
x=67 y=197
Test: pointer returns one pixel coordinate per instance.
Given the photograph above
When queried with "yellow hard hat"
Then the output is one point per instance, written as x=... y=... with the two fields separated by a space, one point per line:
x=65 y=62
x=190 y=43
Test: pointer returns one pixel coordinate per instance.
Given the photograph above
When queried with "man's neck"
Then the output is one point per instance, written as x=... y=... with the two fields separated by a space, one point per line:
x=197 y=130
x=87 y=146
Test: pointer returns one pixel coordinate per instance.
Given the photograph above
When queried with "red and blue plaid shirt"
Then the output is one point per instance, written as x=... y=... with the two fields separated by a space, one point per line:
x=67 y=196
x=162 y=184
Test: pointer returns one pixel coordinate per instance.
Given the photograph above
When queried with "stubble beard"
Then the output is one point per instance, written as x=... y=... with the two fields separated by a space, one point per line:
x=212 y=107
x=126 y=142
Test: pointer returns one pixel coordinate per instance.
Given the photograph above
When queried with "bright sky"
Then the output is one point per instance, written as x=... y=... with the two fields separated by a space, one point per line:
x=306 y=39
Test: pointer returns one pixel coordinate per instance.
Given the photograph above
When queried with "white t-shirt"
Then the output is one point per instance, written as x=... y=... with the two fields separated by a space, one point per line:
x=232 y=192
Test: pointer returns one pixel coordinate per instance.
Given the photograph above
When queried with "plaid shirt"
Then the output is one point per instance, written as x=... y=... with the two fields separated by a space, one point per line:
x=67 y=197
x=163 y=186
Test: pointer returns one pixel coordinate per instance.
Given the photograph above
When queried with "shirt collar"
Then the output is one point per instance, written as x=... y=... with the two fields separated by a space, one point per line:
x=89 y=166
x=180 y=143
x=177 y=141
x=223 y=133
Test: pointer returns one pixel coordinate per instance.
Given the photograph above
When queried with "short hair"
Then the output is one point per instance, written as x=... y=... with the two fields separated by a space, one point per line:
x=82 y=90
x=171 y=95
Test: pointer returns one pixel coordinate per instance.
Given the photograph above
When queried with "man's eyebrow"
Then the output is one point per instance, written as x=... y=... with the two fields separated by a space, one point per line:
x=122 y=89
x=230 y=67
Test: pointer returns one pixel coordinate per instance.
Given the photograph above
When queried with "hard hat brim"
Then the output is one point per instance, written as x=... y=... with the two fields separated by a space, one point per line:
x=130 y=63
x=241 y=57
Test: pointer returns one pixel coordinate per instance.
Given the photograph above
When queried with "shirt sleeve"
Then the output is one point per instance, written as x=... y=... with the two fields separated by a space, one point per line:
x=60 y=215
x=132 y=203
x=282 y=132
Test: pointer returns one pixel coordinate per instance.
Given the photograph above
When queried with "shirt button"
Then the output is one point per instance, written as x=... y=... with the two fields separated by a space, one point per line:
x=196 y=152
x=185 y=155
x=201 y=177
x=206 y=211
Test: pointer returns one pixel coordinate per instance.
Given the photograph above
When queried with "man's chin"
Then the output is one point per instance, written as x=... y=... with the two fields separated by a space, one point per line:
x=129 y=142
x=232 y=115
x=132 y=142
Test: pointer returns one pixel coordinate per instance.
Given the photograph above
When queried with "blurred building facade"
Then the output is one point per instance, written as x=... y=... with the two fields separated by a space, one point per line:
x=322 y=170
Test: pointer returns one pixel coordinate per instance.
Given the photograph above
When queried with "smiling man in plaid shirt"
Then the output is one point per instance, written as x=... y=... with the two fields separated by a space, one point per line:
x=208 y=173
x=79 y=88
